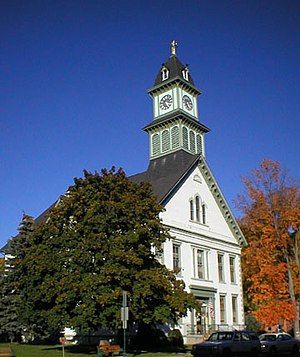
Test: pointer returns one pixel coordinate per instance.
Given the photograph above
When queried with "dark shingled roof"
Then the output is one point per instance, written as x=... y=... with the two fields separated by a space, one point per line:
x=175 y=67
x=41 y=218
x=7 y=245
x=164 y=173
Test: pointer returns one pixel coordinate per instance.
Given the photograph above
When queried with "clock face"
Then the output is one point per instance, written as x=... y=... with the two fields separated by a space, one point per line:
x=187 y=103
x=165 y=102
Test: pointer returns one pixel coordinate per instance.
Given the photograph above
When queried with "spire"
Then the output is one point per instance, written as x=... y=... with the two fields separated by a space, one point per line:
x=174 y=45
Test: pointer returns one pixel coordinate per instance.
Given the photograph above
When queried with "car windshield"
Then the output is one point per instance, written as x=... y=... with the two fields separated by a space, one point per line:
x=221 y=336
x=267 y=337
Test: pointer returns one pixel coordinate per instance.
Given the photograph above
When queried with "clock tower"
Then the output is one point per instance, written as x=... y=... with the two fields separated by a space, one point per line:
x=175 y=124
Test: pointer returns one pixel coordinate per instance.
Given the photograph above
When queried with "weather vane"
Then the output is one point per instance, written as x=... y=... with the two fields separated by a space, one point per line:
x=174 y=44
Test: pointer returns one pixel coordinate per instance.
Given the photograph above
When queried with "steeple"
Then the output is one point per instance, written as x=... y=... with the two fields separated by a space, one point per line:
x=173 y=68
x=175 y=124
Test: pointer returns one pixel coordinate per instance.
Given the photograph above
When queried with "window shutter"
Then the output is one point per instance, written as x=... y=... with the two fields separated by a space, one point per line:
x=199 y=144
x=192 y=142
x=155 y=144
x=165 y=140
x=175 y=137
x=185 y=138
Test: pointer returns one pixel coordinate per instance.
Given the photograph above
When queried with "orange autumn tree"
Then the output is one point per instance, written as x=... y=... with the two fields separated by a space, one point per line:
x=270 y=262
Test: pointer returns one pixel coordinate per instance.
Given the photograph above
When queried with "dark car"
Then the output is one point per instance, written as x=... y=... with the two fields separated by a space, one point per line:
x=278 y=343
x=228 y=343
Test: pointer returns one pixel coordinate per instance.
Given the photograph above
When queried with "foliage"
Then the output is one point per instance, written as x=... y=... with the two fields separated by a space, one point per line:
x=175 y=338
x=251 y=323
x=150 y=338
x=270 y=269
x=98 y=240
x=11 y=302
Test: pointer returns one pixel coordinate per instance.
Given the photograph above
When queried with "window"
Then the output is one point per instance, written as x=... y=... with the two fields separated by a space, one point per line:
x=197 y=200
x=191 y=210
x=164 y=73
x=221 y=267
x=245 y=336
x=234 y=309
x=185 y=73
x=165 y=136
x=155 y=144
x=197 y=213
x=286 y=337
x=203 y=214
x=232 y=269
x=199 y=263
x=185 y=138
x=222 y=309
x=192 y=142
x=175 y=137
x=176 y=256
x=199 y=143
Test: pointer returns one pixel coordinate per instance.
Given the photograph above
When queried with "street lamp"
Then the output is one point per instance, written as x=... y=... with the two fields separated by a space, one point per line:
x=294 y=233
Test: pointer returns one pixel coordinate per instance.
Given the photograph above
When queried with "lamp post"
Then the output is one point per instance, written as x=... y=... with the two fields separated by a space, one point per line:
x=294 y=235
x=124 y=319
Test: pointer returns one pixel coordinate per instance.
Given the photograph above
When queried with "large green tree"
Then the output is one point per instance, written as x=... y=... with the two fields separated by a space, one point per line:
x=100 y=239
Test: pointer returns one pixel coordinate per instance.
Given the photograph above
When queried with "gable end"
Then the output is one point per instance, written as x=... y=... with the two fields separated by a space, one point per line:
x=221 y=202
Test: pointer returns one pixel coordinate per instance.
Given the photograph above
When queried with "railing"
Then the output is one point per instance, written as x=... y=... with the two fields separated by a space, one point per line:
x=208 y=329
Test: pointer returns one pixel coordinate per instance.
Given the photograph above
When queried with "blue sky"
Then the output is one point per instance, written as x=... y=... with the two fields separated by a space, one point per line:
x=74 y=79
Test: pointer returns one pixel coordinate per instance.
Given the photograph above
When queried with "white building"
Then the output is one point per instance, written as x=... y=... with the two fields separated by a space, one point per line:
x=206 y=239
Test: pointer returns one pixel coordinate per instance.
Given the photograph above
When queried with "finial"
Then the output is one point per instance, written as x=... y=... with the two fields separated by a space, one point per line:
x=174 y=44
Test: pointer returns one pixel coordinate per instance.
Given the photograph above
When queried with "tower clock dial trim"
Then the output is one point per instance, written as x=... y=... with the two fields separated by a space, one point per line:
x=187 y=103
x=166 y=102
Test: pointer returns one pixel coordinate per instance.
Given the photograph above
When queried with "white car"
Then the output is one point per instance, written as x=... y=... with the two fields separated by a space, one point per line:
x=277 y=343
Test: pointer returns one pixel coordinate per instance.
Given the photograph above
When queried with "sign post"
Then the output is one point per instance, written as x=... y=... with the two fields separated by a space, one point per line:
x=63 y=341
x=124 y=319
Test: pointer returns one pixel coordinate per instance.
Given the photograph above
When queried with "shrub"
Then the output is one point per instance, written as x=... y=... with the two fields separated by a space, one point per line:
x=175 y=338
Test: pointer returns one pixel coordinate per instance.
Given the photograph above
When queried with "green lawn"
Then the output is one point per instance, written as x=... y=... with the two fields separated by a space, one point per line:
x=74 y=351
x=45 y=350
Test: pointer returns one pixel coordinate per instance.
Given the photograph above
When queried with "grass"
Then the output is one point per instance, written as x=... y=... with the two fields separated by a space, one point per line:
x=21 y=350
x=46 y=350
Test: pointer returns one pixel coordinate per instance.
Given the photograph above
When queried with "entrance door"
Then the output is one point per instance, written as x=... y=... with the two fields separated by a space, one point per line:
x=202 y=318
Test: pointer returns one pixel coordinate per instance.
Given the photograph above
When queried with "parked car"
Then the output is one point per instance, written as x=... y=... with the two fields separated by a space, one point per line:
x=228 y=343
x=277 y=343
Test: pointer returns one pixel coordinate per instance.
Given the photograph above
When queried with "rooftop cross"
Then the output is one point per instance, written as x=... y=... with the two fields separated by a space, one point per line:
x=174 y=44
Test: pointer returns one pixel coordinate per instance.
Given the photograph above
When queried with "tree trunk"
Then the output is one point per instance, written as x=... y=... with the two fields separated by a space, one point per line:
x=294 y=300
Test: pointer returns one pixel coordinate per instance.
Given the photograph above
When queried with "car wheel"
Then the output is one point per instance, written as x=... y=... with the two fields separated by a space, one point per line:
x=295 y=350
x=254 y=352
x=273 y=351
x=227 y=353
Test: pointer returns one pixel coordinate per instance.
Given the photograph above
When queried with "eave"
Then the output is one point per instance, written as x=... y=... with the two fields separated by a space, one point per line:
x=180 y=115
x=170 y=82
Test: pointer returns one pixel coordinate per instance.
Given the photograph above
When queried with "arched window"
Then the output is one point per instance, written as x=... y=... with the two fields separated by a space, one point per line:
x=185 y=73
x=185 y=138
x=192 y=142
x=199 y=144
x=191 y=210
x=197 y=200
x=203 y=214
x=164 y=73
x=165 y=138
x=155 y=144
x=175 y=137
